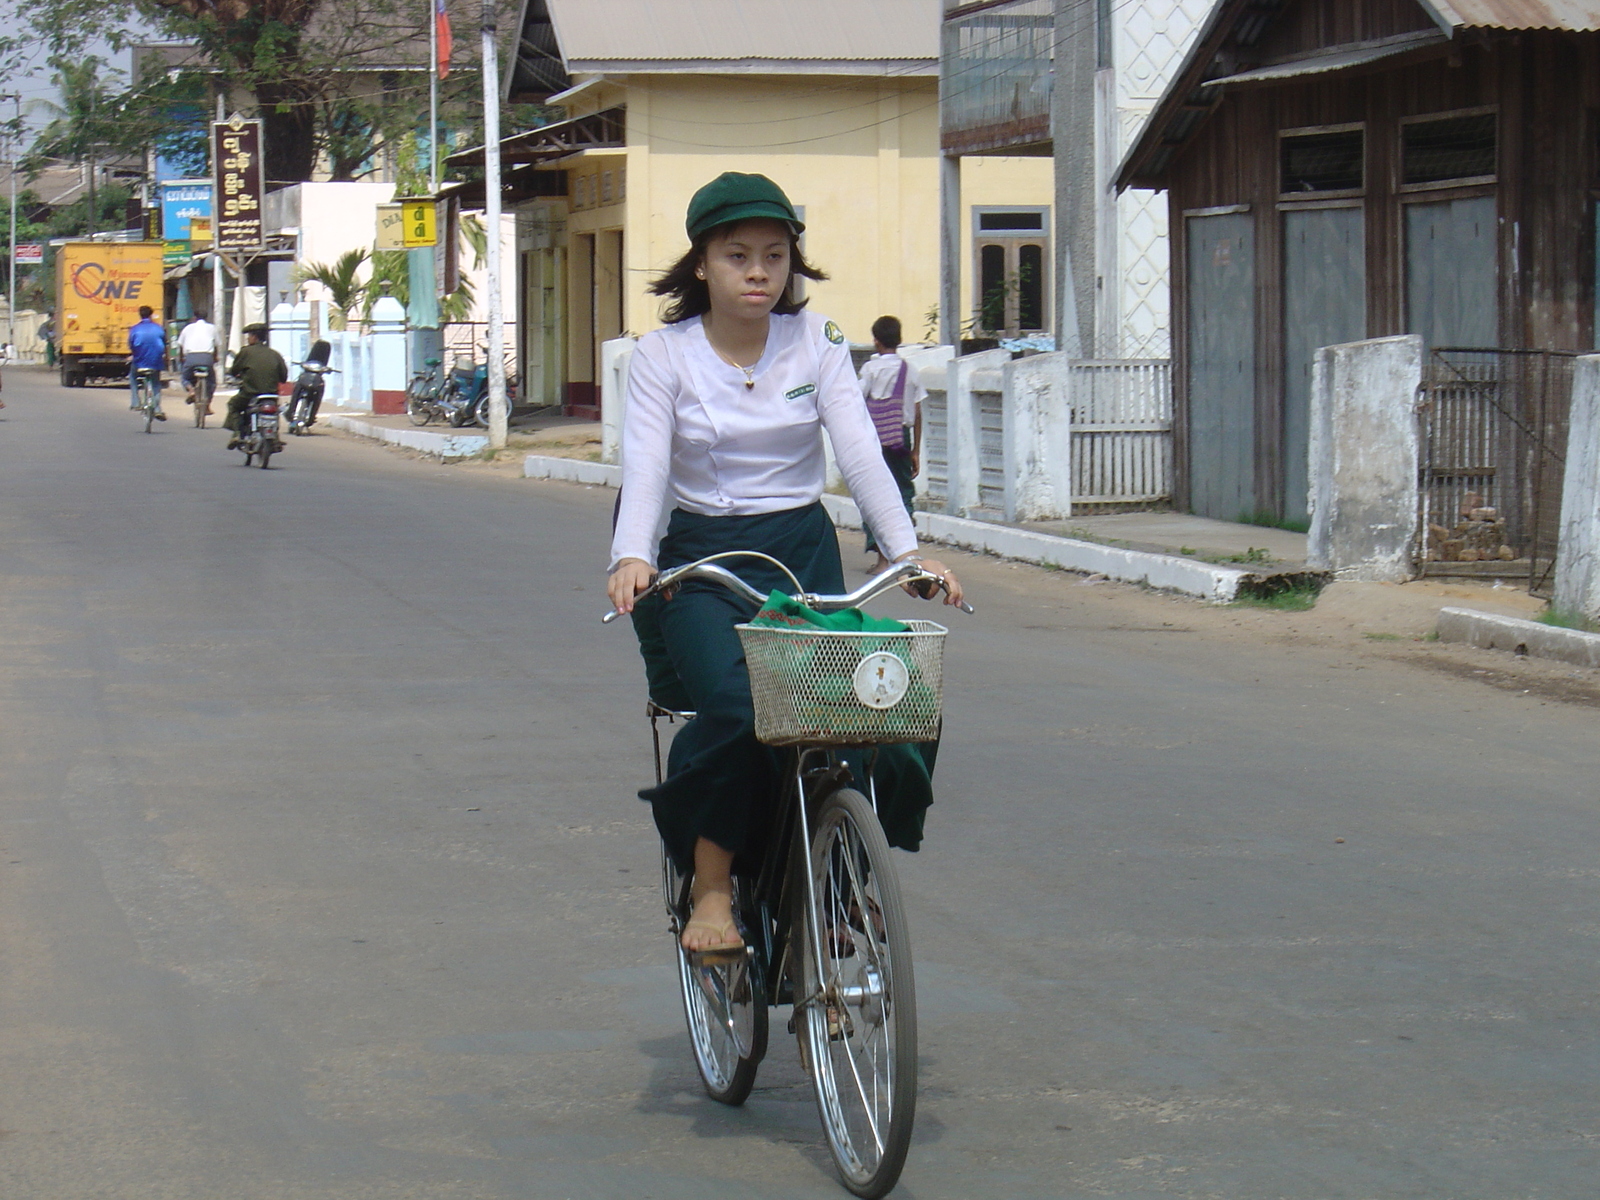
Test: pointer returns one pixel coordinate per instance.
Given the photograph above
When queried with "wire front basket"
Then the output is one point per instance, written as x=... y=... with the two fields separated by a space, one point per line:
x=819 y=686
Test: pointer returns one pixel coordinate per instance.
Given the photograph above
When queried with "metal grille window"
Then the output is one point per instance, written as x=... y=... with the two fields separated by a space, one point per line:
x=1328 y=161
x=1454 y=148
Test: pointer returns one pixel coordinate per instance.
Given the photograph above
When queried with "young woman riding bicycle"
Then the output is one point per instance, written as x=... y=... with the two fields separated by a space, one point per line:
x=725 y=412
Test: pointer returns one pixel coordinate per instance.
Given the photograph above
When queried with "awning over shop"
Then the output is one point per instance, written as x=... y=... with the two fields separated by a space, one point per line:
x=598 y=131
x=1338 y=58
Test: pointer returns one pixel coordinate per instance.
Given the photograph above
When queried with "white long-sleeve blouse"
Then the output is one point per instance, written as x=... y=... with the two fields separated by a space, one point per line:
x=695 y=435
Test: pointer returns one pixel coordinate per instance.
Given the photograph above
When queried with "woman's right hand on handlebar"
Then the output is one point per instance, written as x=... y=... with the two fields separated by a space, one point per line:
x=632 y=576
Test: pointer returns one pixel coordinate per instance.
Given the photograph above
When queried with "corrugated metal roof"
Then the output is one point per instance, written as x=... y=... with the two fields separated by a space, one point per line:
x=1579 y=16
x=1334 y=60
x=598 y=31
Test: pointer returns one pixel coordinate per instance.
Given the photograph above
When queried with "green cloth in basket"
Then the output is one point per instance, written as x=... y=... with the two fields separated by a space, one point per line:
x=780 y=612
x=826 y=699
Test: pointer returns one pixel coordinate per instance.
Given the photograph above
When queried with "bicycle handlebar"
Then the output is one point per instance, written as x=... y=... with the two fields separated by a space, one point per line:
x=902 y=573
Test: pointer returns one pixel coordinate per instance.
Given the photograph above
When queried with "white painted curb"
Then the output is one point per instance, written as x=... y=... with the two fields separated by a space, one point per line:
x=1490 y=631
x=1166 y=571
x=444 y=445
x=571 y=470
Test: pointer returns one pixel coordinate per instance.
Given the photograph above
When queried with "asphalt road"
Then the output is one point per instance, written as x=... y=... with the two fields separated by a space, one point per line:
x=321 y=875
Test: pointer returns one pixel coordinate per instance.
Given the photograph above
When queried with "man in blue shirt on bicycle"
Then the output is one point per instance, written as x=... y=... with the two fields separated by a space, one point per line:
x=147 y=344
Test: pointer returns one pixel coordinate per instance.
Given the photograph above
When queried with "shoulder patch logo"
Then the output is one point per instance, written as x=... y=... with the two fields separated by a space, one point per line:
x=833 y=333
x=796 y=393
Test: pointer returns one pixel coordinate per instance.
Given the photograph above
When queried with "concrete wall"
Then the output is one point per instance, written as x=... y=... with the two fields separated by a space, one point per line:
x=1577 y=584
x=967 y=376
x=330 y=219
x=1363 y=458
x=1038 y=437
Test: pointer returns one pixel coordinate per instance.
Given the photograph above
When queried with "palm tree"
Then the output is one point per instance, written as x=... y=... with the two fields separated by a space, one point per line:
x=345 y=290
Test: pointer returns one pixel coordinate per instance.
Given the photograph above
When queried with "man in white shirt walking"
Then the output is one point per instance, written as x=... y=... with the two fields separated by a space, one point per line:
x=894 y=398
x=197 y=347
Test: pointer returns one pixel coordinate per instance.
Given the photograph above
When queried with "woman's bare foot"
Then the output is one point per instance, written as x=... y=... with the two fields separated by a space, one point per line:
x=711 y=925
x=879 y=567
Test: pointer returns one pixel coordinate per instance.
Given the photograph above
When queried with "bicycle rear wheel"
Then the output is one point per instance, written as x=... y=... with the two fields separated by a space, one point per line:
x=725 y=1005
x=857 y=1005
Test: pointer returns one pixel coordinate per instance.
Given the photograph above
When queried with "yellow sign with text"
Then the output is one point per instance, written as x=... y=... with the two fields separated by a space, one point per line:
x=421 y=223
x=200 y=231
x=391 y=227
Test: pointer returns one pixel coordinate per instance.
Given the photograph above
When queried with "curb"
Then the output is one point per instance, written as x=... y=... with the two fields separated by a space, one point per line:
x=571 y=470
x=1490 y=631
x=1220 y=585
x=444 y=445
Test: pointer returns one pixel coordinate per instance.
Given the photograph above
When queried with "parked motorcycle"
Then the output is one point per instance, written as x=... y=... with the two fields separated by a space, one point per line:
x=437 y=397
x=460 y=397
x=306 y=398
x=258 y=437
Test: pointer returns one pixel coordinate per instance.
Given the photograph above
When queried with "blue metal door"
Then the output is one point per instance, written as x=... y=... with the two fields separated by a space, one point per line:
x=1222 y=364
x=1452 y=279
x=1324 y=304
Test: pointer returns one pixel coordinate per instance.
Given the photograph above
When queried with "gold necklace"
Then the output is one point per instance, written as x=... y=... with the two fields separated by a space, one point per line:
x=749 y=372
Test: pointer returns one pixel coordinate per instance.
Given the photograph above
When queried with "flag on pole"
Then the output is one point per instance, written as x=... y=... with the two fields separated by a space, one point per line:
x=441 y=27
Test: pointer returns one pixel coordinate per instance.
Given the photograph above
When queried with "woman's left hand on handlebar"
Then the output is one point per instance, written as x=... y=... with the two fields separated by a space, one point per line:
x=632 y=576
x=952 y=585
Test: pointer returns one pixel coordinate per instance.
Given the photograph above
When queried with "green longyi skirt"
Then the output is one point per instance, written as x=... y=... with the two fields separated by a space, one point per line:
x=721 y=781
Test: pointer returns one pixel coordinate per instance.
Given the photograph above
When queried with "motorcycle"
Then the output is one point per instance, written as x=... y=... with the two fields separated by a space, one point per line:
x=461 y=397
x=306 y=398
x=258 y=437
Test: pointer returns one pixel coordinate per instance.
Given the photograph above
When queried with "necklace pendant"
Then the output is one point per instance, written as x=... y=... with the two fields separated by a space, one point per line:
x=749 y=384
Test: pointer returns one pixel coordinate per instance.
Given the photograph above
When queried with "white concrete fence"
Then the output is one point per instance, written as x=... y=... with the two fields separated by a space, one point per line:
x=1020 y=434
x=363 y=357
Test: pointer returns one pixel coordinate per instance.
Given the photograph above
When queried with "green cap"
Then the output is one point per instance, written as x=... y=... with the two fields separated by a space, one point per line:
x=735 y=197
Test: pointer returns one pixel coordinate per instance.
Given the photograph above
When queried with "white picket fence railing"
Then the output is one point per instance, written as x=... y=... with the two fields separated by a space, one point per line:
x=1119 y=412
x=1121 y=430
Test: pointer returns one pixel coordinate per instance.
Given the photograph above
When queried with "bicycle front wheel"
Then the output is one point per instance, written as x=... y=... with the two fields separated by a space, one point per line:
x=725 y=1005
x=857 y=1018
x=418 y=409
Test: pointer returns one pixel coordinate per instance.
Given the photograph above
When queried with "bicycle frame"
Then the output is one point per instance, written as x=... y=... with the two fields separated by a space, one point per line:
x=774 y=878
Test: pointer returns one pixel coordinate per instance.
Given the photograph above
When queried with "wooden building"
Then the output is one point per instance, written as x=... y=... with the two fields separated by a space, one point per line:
x=1341 y=169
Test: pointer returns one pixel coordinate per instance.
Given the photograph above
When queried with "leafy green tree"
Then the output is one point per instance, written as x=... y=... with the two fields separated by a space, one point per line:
x=323 y=76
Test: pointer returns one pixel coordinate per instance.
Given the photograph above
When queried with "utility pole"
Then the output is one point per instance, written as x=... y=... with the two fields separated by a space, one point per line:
x=11 y=299
x=491 y=218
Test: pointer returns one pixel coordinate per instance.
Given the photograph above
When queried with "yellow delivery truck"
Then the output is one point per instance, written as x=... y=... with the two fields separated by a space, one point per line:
x=99 y=288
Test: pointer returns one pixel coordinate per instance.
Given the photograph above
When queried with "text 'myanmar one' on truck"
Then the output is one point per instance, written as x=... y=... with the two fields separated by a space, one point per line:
x=99 y=288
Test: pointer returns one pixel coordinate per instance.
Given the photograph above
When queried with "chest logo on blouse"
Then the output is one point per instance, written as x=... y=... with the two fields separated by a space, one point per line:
x=833 y=333
x=803 y=390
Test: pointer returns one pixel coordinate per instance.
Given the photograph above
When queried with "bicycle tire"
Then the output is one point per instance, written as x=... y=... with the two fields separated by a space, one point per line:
x=202 y=398
x=725 y=1008
x=858 y=1024
x=417 y=407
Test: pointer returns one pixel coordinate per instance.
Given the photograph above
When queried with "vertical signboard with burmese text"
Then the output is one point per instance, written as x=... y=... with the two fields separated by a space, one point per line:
x=236 y=210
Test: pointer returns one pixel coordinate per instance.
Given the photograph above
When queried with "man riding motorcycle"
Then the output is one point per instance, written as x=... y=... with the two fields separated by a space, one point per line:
x=259 y=369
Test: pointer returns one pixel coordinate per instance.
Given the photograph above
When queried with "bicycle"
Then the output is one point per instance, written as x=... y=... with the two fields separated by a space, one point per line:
x=147 y=385
x=823 y=921
x=431 y=396
x=203 y=379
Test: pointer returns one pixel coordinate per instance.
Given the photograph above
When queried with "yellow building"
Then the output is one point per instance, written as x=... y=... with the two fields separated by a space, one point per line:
x=836 y=100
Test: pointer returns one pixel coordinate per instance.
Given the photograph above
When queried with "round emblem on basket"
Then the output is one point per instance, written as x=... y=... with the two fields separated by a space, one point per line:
x=881 y=680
